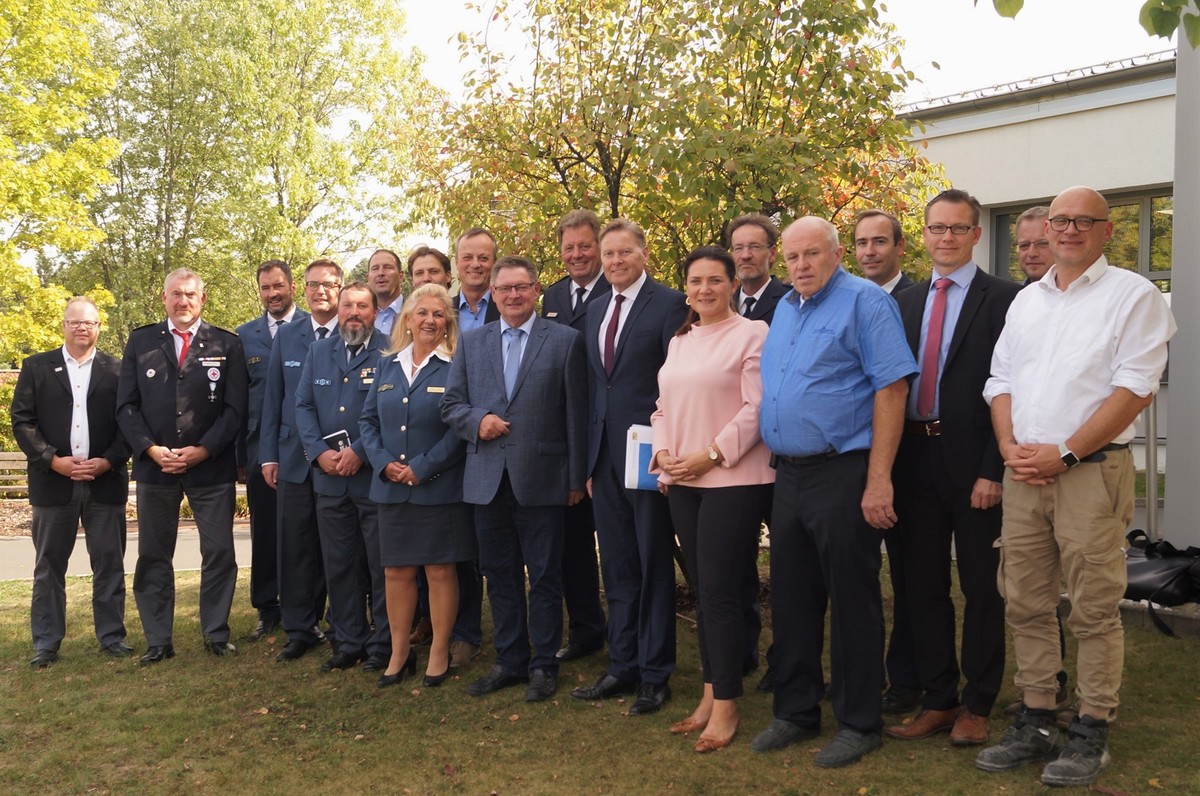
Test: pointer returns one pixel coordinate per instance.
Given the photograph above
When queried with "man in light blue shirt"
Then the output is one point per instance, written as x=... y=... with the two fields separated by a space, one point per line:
x=475 y=252
x=834 y=369
x=386 y=278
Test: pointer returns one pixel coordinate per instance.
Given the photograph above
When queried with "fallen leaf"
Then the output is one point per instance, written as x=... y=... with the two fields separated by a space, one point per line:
x=448 y=770
x=359 y=737
x=863 y=791
x=1155 y=782
x=514 y=717
x=262 y=711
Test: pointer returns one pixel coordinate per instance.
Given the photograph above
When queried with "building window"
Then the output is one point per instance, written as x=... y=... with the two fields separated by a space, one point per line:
x=1141 y=240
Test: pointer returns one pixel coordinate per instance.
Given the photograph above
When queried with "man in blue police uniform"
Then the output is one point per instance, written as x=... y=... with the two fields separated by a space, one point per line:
x=181 y=405
x=333 y=388
x=835 y=368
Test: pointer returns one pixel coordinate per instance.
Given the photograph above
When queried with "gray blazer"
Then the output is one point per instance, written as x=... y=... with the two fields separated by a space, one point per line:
x=545 y=449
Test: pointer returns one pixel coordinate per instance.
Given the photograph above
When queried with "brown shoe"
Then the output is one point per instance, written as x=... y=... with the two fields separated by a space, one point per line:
x=422 y=633
x=462 y=653
x=969 y=729
x=925 y=724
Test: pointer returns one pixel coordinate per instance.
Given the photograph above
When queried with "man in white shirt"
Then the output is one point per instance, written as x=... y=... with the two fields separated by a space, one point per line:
x=64 y=419
x=1081 y=355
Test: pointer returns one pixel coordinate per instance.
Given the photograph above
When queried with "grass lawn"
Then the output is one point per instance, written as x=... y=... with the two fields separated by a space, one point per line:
x=198 y=724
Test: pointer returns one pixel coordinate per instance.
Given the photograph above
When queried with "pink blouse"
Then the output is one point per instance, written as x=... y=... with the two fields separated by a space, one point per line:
x=710 y=390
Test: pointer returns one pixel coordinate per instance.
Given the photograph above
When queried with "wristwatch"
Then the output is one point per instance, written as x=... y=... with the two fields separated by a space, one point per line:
x=712 y=453
x=1068 y=458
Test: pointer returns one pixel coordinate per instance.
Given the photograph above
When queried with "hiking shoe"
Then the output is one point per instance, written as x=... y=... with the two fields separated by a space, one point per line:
x=1033 y=736
x=1084 y=757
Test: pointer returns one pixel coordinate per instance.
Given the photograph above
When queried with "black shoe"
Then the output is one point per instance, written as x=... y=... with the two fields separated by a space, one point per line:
x=542 y=685
x=118 y=649
x=767 y=684
x=606 y=687
x=898 y=700
x=434 y=680
x=157 y=654
x=342 y=660
x=293 y=650
x=378 y=661
x=573 y=651
x=494 y=680
x=264 y=628
x=220 y=648
x=650 y=697
x=409 y=669
x=779 y=733
x=43 y=658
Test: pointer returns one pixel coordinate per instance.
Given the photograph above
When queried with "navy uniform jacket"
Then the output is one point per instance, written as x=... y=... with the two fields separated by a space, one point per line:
x=763 y=309
x=631 y=395
x=556 y=302
x=41 y=422
x=256 y=344
x=544 y=451
x=278 y=441
x=330 y=398
x=404 y=424
x=202 y=404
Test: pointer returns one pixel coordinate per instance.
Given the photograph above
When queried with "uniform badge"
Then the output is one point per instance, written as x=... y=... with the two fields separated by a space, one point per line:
x=322 y=382
x=214 y=374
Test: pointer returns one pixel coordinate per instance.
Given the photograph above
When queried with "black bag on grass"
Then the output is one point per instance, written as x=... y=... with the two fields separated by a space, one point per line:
x=1160 y=573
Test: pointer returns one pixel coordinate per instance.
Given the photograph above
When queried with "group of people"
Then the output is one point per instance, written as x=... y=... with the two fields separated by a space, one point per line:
x=398 y=450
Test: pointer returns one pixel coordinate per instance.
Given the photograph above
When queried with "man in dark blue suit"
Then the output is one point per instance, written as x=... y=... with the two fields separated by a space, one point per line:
x=64 y=419
x=285 y=467
x=566 y=302
x=181 y=405
x=628 y=330
x=517 y=395
x=334 y=383
x=275 y=289
x=879 y=247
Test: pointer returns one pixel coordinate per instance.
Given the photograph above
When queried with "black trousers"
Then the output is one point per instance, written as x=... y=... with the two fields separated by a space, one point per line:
x=823 y=555
x=264 y=546
x=718 y=531
x=581 y=577
x=935 y=513
x=301 y=567
x=900 y=662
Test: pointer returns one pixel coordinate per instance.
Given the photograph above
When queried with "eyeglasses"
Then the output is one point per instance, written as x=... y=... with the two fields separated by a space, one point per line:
x=753 y=248
x=1029 y=244
x=81 y=324
x=504 y=290
x=942 y=229
x=330 y=286
x=1082 y=224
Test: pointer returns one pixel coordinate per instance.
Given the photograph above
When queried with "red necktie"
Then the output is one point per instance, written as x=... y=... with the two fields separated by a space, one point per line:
x=610 y=337
x=186 y=337
x=933 y=346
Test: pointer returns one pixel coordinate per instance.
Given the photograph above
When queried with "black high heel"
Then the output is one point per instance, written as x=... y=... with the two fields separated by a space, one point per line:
x=409 y=669
x=434 y=680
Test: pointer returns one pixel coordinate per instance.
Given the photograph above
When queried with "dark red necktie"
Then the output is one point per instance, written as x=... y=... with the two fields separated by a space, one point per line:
x=186 y=337
x=933 y=347
x=610 y=336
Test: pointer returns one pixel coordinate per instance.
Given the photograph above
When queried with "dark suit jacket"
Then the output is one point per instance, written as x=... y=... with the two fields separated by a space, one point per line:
x=330 y=398
x=764 y=308
x=968 y=441
x=256 y=344
x=556 y=302
x=402 y=423
x=41 y=421
x=278 y=440
x=158 y=404
x=904 y=284
x=629 y=396
x=545 y=448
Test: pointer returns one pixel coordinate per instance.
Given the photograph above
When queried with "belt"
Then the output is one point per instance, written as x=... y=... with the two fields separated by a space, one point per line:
x=1099 y=456
x=921 y=428
x=816 y=458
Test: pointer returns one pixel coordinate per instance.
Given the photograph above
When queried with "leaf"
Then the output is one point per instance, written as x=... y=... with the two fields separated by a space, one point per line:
x=1155 y=782
x=1191 y=26
x=262 y=711
x=1008 y=8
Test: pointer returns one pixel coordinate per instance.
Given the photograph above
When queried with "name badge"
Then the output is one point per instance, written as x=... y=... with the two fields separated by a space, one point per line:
x=435 y=389
x=551 y=314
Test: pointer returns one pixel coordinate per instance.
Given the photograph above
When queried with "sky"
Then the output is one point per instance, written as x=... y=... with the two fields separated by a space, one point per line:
x=974 y=46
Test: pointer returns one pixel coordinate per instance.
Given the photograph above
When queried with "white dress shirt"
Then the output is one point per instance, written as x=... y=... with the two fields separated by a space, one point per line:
x=630 y=293
x=79 y=373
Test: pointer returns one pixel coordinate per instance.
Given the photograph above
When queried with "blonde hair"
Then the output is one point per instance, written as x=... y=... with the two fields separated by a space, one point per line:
x=402 y=338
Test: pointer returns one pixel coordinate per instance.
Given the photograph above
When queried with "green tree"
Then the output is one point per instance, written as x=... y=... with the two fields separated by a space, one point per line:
x=679 y=116
x=48 y=167
x=251 y=129
x=1158 y=17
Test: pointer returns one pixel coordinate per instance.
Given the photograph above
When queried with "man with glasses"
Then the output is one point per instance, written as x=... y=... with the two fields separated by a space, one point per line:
x=517 y=393
x=285 y=467
x=275 y=291
x=181 y=405
x=947 y=478
x=65 y=421
x=1033 y=247
x=1081 y=356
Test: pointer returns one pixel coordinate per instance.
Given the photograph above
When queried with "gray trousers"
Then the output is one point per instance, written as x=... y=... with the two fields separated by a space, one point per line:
x=154 y=578
x=54 y=533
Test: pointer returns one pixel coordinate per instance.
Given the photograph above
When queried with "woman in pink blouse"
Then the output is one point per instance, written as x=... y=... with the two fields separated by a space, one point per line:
x=715 y=470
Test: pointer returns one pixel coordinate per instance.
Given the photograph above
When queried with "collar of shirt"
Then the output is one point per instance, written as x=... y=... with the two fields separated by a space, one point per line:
x=482 y=303
x=794 y=297
x=172 y=328
x=526 y=327
x=410 y=369
x=631 y=293
x=742 y=296
x=889 y=285
x=287 y=317
x=589 y=287
x=331 y=325
x=70 y=360
x=1093 y=274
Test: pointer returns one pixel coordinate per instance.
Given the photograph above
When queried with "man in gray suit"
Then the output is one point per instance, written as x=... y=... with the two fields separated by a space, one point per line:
x=517 y=395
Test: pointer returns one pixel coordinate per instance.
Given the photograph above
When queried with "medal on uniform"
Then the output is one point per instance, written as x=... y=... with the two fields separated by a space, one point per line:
x=213 y=375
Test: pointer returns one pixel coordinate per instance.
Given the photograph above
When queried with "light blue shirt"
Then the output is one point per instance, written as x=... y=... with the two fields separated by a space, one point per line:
x=823 y=362
x=468 y=320
x=956 y=294
x=526 y=327
x=386 y=317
